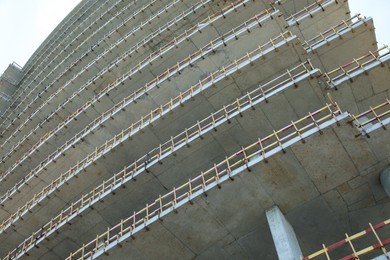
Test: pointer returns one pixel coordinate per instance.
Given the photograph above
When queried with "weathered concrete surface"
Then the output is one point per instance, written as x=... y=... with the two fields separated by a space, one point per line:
x=330 y=184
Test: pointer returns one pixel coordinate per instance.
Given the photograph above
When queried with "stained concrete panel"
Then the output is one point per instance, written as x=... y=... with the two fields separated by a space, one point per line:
x=315 y=221
x=160 y=243
x=358 y=149
x=282 y=176
x=195 y=227
x=328 y=166
x=237 y=202
x=253 y=243
x=380 y=78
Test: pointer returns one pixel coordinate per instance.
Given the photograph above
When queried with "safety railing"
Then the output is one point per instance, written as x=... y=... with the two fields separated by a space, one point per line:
x=51 y=40
x=4 y=96
x=335 y=32
x=373 y=230
x=44 y=54
x=148 y=119
x=233 y=34
x=372 y=119
x=90 y=81
x=108 y=68
x=153 y=56
x=11 y=81
x=278 y=84
x=357 y=66
x=242 y=160
x=309 y=10
x=21 y=104
x=63 y=46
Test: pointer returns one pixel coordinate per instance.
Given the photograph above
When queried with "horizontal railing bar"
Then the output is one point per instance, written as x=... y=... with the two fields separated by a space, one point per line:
x=187 y=192
x=68 y=83
x=63 y=50
x=157 y=154
x=77 y=61
x=150 y=118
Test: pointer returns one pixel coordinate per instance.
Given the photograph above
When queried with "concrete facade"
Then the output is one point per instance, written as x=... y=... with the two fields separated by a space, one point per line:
x=165 y=129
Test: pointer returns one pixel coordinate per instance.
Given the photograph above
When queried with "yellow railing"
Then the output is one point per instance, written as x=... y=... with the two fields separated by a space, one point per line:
x=346 y=70
x=105 y=52
x=159 y=79
x=288 y=79
x=260 y=51
x=336 y=30
x=225 y=170
x=378 y=245
x=124 y=103
x=372 y=119
x=102 y=93
x=50 y=41
x=308 y=10
x=63 y=49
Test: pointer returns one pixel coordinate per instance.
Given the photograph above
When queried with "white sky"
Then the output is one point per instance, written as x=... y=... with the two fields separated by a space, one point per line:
x=25 y=24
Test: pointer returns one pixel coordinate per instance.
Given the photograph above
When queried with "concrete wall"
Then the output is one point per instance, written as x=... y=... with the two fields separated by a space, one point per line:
x=329 y=184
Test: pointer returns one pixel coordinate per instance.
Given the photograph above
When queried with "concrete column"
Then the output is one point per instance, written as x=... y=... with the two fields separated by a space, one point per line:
x=283 y=234
x=385 y=180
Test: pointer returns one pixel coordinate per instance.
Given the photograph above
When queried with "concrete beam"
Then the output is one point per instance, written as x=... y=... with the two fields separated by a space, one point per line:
x=283 y=234
x=385 y=180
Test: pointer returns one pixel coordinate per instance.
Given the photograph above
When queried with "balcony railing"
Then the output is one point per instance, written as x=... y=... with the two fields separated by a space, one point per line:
x=262 y=93
x=309 y=11
x=373 y=230
x=90 y=81
x=34 y=100
x=225 y=170
x=50 y=41
x=120 y=81
x=233 y=34
x=215 y=176
x=372 y=119
x=154 y=115
x=356 y=67
x=53 y=50
x=335 y=32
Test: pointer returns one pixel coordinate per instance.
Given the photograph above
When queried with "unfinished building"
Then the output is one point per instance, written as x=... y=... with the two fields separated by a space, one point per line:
x=207 y=129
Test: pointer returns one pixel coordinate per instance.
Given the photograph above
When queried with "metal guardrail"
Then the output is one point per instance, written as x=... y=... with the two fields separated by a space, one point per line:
x=372 y=119
x=148 y=119
x=357 y=66
x=84 y=86
x=44 y=54
x=65 y=59
x=225 y=170
x=288 y=79
x=233 y=34
x=114 y=84
x=51 y=40
x=309 y=10
x=4 y=96
x=153 y=56
x=378 y=245
x=11 y=81
x=335 y=31
x=239 y=161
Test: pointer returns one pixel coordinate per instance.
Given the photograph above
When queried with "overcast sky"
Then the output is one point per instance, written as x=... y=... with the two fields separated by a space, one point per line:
x=25 y=24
